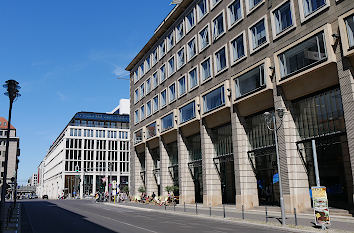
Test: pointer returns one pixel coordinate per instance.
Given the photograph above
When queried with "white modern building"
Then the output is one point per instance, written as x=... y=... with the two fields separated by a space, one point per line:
x=33 y=180
x=91 y=152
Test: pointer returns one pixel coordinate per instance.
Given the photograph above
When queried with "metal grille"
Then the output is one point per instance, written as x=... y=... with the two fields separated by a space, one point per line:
x=258 y=134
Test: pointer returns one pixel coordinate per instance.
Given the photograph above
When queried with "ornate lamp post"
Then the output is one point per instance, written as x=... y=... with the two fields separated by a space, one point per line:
x=12 y=89
x=270 y=119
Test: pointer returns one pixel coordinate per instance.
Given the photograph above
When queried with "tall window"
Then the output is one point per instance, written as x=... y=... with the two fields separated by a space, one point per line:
x=148 y=108
x=136 y=75
x=193 y=78
x=187 y=112
x=214 y=2
x=136 y=95
x=238 y=48
x=171 y=66
x=148 y=85
x=142 y=90
x=162 y=73
x=191 y=49
x=204 y=38
x=205 y=69
x=213 y=99
x=253 y=3
x=190 y=20
x=162 y=49
x=163 y=98
x=283 y=18
x=142 y=112
x=258 y=34
x=147 y=63
x=307 y=53
x=181 y=59
x=155 y=80
x=312 y=6
x=141 y=70
x=218 y=26
x=220 y=60
x=235 y=12
x=151 y=130
x=155 y=103
x=136 y=116
x=167 y=122
x=172 y=92
x=180 y=31
x=249 y=82
x=202 y=8
x=182 y=88
x=349 y=23
x=170 y=41
x=155 y=57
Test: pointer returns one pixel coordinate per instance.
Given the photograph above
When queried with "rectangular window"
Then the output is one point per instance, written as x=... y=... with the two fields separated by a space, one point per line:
x=191 y=49
x=151 y=130
x=142 y=112
x=214 y=99
x=349 y=23
x=312 y=6
x=138 y=136
x=136 y=95
x=162 y=73
x=220 y=60
x=193 y=78
x=187 y=112
x=181 y=59
x=163 y=98
x=155 y=80
x=170 y=41
x=214 y=2
x=202 y=8
x=142 y=90
x=218 y=26
x=155 y=57
x=205 y=69
x=235 y=12
x=136 y=75
x=155 y=102
x=172 y=92
x=182 y=86
x=250 y=82
x=148 y=85
x=258 y=34
x=238 y=48
x=147 y=64
x=303 y=55
x=162 y=49
x=148 y=108
x=204 y=38
x=283 y=18
x=141 y=70
x=167 y=122
x=180 y=31
x=136 y=118
x=253 y=3
x=190 y=20
x=171 y=66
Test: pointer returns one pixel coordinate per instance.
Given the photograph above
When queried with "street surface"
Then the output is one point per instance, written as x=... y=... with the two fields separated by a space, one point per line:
x=76 y=216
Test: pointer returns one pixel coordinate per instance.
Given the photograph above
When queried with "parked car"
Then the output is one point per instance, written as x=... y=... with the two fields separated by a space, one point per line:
x=45 y=196
x=34 y=196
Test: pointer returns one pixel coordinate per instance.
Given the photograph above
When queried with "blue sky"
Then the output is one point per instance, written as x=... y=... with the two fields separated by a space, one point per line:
x=66 y=54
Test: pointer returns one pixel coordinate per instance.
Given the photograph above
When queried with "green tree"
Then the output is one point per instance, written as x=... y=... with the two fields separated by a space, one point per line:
x=142 y=189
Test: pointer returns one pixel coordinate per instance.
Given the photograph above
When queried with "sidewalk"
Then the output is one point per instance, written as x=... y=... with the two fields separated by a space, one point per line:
x=12 y=222
x=305 y=222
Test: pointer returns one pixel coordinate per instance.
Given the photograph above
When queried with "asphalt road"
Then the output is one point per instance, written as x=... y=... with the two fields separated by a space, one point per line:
x=76 y=216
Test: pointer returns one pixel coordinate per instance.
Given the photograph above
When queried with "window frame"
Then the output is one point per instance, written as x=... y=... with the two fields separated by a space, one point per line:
x=304 y=18
x=142 y=95
x=185 y=59
x=168 y=94
x=195 y=112
x=147 y=68
x=273 y=21
x=347 y=50
x=207 y=26
x=229 y=25
x=136 y=116
x=158 y=79
x=186 y=20
x=216 y=72
x=168 y=66
x=215 y=108
x=250 y=35
x=136 y=97
x=173 y=112
x=184 y=31
x=172 y=32
x=234 y=62
x=222 y=12
x=155 y=50
x=250 y=10
x=212 y=6
x=153 y=104
x=202 y=81
x=198 y=81
x=166 y=99
x=162 y=43
x=197 y=9
x=178 y=86
x=187 y=49
x=160 y=74
x=146 y=85
x=149 y=101
x=141 y=113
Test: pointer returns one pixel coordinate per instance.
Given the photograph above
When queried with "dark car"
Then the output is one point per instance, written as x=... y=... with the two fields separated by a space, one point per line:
x=45 y=197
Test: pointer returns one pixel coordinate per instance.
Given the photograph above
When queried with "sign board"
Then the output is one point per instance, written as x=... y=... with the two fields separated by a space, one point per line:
x=320 y=205
x=114 y=184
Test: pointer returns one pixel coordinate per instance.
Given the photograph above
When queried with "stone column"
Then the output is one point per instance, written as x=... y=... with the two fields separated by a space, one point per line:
x=151 y=185
x=245 y=179
x=346 y=82
x=81 y=185
x=165 y=177
x=212 y=194
x=186 y=184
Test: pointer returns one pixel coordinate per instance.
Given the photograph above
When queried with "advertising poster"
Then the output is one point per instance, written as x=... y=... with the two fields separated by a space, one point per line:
x=320 y=205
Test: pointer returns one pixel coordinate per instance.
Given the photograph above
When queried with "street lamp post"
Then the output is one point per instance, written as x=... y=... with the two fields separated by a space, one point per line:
x=270 y=118
x=12 y=89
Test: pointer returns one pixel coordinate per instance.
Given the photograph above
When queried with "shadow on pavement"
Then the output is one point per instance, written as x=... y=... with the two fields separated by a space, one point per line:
x=44 y=217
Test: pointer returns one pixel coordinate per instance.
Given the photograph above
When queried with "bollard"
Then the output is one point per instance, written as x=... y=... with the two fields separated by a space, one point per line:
x=210 y=211
x=295 y=216
x=243 y=212
x=266 y=212
x=184 y=207
x=223 y=206
x=196 y=208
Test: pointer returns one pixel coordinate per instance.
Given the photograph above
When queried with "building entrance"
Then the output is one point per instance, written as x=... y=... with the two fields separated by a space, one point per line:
x=141 y=157
x=195 y=165
x=88 y=184
x=224 y=162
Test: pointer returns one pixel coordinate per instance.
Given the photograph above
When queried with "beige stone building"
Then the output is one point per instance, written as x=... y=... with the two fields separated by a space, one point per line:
x=202 y=83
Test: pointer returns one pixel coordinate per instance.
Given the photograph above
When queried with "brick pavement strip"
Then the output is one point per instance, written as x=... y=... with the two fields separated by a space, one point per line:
x=252 y=217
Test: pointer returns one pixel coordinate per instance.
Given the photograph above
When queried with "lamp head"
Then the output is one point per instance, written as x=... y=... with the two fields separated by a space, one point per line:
x=281 y=112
